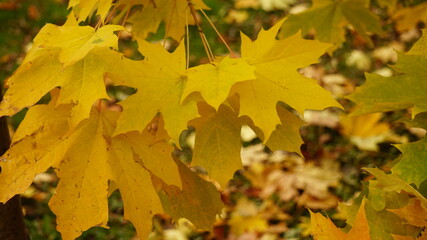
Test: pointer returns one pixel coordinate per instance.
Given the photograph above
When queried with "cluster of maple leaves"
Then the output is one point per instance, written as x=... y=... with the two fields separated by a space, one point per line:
x=95 y=149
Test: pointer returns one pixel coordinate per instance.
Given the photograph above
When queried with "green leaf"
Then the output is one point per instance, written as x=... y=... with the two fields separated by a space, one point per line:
x=412 y=167
x=408 y=89
x=329 y=19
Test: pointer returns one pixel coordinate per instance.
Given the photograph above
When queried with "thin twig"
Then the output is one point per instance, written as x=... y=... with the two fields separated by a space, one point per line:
x=202 y=35
x=216 y=30
x=187 y=38
x=169 y=23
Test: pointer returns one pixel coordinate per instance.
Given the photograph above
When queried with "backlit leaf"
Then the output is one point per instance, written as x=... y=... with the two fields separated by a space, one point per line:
x=160 y=82
x=277 y=79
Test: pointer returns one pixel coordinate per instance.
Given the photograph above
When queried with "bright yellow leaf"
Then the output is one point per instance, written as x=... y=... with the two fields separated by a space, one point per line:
x=86 y=159
x=77 y=41
x=277 y=79
x=81 y=84
x=160 y=81
x=85 y=8
x=408 y=18
x=413 y=213
x=214 y=80
x=324 y=229
x=32 y=148
x=140 y=200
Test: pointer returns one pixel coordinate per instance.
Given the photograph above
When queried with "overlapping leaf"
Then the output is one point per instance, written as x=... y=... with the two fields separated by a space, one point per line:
x=286 y=136
x=198 y=201
x=77 y=66
x=387 y=208
x=86 y=159
x=329 y=18
x=214 y=80
x=277 y=79
x=85 y=8
x=32 y=147
x=324 y=229
x=217 y=145
x=160 y=82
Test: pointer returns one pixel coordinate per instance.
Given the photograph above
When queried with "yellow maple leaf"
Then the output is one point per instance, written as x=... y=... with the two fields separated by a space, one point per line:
x=214 y=80
x=408 y=18
x=86 y=159
x=160 y=81
x=77 y=66
x=277 y=79
x=81 y=83
x=76 y=41
x=32 y=146
x=217 y=145
x=174 y=13
x=324 y=229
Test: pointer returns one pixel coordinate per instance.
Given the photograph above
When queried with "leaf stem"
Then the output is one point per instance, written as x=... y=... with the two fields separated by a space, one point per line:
x=169 y=23
x=216 y=30
x=111 y=13
x=202 y=35
x=187 y=38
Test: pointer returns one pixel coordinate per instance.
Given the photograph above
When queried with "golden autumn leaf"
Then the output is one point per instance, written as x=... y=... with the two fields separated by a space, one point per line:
x=160 y=82
x=76 y=41
x=85 y=8
x=80 y=75
x=324 y=229
x=277 y=79
x=413 y=213
x=86 y=159
x=32 y=147
x=286 y=136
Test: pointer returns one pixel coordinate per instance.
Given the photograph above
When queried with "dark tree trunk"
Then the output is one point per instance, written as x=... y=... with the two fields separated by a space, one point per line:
x=12 y=225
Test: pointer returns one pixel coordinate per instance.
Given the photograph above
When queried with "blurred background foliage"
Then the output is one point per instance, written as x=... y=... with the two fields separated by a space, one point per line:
x=272 y=194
